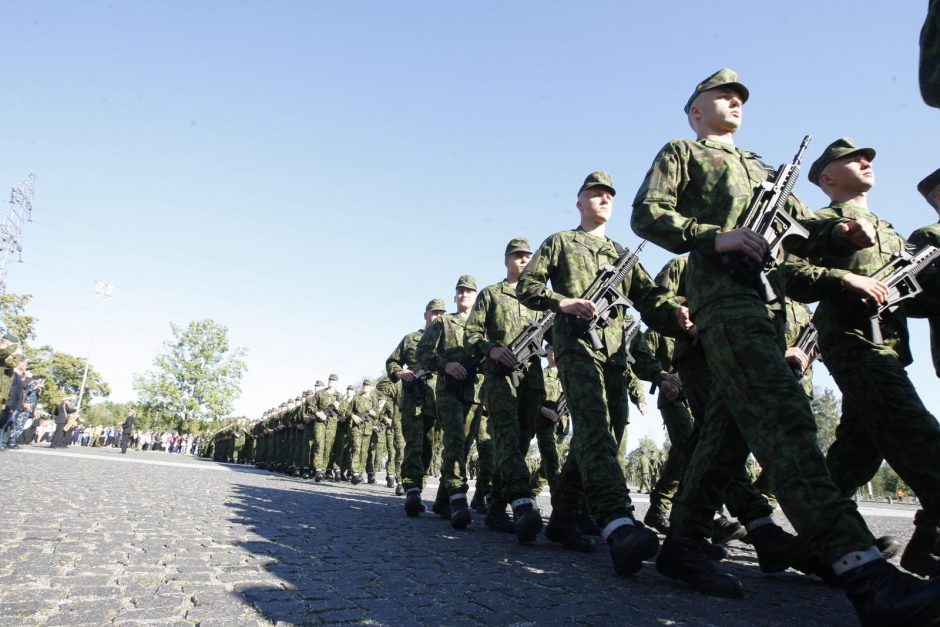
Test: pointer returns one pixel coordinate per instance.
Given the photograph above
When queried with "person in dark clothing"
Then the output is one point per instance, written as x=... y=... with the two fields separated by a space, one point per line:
x=127 y=428
x=62 y=412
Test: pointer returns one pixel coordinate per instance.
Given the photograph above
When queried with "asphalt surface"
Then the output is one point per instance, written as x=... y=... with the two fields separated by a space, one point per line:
x=96 y=537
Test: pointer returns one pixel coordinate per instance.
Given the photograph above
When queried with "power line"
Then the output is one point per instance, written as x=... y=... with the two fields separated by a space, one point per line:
x=11 y=231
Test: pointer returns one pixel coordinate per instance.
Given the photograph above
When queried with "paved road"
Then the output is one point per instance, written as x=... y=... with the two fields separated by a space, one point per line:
x=95 y=537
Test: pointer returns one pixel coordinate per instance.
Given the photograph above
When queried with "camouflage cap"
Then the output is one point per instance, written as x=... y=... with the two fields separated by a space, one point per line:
x=367 y=382
x=9 y=337
x=842 y=147
x=308 y=392
x=298 y=398
x=720 y=78
x=518 y=245
x=467 y=281
x=350 y=387
x=598 y=178
x=333 y=377
x=928 y=184
x=318 y=384
x=435 y=304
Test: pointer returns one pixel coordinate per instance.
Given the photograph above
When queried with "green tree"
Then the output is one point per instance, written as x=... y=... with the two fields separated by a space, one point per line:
x=106 y=413
x=197 y=375
x=827 y=409
x=63 y=375
x=14 y=318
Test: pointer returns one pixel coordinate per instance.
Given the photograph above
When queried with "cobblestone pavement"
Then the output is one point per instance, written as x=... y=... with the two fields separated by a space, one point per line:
x=95 y=537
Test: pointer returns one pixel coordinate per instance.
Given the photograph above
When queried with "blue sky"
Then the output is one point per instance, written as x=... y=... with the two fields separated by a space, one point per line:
x=311 y=173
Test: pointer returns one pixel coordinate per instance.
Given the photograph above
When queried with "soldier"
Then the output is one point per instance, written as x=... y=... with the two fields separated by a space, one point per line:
x=305 y=412
x=594 y=379
x=930 y=55
x=362 y=418
x=394 y=439
x=340 y=464
x=691 y=201
x=441 y=349
x=418 y=409
x=930 y=189
x=325 y=406
x=882 y=413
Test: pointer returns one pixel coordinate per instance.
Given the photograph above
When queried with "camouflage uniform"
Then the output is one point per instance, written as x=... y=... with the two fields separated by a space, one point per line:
x=922 y=237
x=322 y=402
x=694 y=190
x=341 y=458
x=882 y=413
x=456 y=404
x=593 y=379
x=418 y=411
x=394 y=440
x=930 y=56
x=495 y=321
x=360 y=434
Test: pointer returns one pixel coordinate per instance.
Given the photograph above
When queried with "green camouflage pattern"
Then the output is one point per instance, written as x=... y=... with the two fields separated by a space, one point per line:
x=720 y=78
x=842 y=147
x=693 y=191
x=929 y=73
x=930 y=235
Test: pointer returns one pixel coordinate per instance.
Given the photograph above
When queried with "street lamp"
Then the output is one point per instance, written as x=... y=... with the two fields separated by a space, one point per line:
x=103 y=292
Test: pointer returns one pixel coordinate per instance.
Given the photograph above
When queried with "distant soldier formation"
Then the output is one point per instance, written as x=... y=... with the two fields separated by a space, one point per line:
x=729 y=349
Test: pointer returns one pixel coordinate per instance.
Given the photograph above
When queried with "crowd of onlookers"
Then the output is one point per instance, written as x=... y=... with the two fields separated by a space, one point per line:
x=101 y=436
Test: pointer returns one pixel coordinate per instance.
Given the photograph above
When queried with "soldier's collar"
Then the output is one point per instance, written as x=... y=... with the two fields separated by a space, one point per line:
x=711 y=143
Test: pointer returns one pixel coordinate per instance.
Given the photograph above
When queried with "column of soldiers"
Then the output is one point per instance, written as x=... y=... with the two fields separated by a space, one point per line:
x=726 y=350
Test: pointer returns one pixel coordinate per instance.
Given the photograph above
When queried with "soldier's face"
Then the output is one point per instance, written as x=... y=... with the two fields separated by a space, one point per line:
x=849 y=174
x=464 y=298
x=596 y=204
x=431 y=316
x=718 y=110
x=935 y=198
x=516 y=262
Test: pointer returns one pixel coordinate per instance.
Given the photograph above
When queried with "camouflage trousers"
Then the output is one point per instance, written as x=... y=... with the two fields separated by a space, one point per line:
x=758 y=405
x=883 y=418
x=375 y=458
x=479 y=430
x=395 y=445
x=549 y=470
x=359 y=437
x=418 y=427
x=318 y=451
x=329 y=444
x=338 y=451
x=594 y=390
x=677 y=418
x=745 y=502
x=456 y=416
x=512 y=415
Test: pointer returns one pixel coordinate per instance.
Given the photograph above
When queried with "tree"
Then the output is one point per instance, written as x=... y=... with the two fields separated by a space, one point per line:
x=107 y=413
x=12 y=307
x=197 y=376
x=827 y=409
x=63 y=375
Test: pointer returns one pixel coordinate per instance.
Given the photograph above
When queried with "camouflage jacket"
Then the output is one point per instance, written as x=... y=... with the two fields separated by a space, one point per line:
x=443 y=342
x=840 y=317
x=496 y=319
x=798 y=317
x=570 y=260
x=698 y=189
x=922 y=237
x=392 y=393
x=930 y=56
x=361 y=405
x=404 y=356
x=322 y=401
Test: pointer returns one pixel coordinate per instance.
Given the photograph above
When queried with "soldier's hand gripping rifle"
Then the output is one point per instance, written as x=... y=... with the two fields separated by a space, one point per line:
x=767 y=216
x=561 y=408
x=419 y=375
x=808 y=342
x=628 y=336
x=527 y=345
x=900 y=275
x=605 y=293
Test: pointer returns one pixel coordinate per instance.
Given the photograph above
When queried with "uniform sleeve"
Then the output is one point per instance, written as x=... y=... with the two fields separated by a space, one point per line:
x=396 y=361
x=634 y=388
x=656 y=305
x=426 y=352
x=807 y=283
x=475 y=341
x=654 y=209
x=532 y=288
x=643 y=349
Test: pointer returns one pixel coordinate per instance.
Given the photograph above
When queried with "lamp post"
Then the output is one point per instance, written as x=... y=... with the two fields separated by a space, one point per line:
x=103 y=292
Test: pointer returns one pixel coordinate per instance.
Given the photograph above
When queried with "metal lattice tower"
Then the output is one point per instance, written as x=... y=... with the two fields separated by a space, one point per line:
x=11 y=231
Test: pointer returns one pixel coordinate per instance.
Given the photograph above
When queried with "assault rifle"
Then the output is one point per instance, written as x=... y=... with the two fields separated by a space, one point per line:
x=473 y=368
x=605 y=293
x=419 y=375
x=628 y=336
x=767 y=216
x=561 y=408
x=527 y=345
x=808 y=342
x=900 y=275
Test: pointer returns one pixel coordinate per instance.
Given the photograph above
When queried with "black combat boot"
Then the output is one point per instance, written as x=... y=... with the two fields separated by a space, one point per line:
x=888 y=545
x=918 y=556
x=441 y=507
x=478 y=502
x=459 y=512
x=566 y=533
x=372 y=477
x=775 y=547
x=588 y=525
x=630 y=545
x=496 y=517
x=413 y=503
x=528 y=520
x=399 y=489
x=657 y=520
x=682 y=558
x=305 y=473
x=883 y=595
x=291 y=471
x=319 y=476
x=356 y=478
x=389 y=481
x=724 y=530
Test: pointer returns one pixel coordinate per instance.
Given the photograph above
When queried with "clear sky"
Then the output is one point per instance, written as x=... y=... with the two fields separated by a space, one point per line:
x=311 y=173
